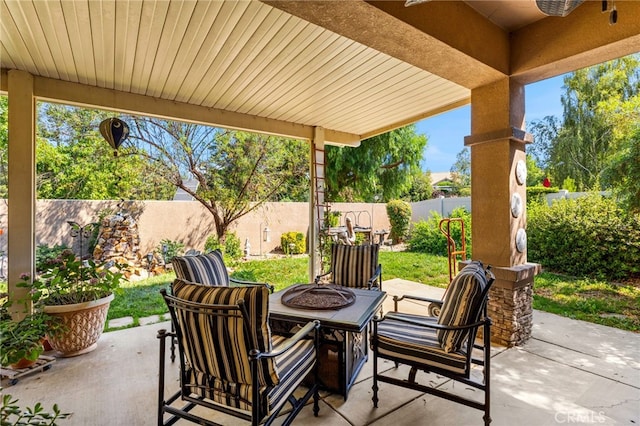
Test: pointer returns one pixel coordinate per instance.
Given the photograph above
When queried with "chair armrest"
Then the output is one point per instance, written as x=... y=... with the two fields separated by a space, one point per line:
x=434 y=324
x=376 y=276
x=163 y=334
x=317 y=279
x=288 y=343
x=243 y=282
x=397 y=299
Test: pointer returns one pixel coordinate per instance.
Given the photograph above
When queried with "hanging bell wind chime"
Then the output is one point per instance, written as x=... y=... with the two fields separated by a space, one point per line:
x=115 y=131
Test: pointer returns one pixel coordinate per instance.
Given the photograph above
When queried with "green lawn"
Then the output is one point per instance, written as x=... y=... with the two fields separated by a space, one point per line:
x=601 y=302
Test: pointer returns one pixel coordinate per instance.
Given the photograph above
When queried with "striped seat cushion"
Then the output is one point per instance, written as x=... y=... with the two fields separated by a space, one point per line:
x=353 y=266
x=216 y=347
x=416 y=344
x=293 y=366
x=462 y=304
x=207 y=269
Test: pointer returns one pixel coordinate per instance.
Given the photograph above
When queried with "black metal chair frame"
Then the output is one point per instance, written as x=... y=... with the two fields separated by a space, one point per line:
x=257 y=416
x=484 y=360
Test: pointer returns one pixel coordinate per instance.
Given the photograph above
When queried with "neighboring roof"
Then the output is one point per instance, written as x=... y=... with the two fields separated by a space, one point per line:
x=439 y=177
x=182 y=195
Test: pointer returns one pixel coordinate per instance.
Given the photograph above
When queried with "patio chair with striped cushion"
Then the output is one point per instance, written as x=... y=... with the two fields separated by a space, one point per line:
x=355 y=266
x=443 y=345
x=229 y=361
x=206 y=269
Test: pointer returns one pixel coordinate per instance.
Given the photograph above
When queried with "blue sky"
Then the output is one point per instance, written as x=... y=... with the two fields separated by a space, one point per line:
x=446 y=132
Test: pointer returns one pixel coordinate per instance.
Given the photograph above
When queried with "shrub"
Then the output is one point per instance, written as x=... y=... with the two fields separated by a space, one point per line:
x=295 y=238
x=232 y=249
x=399 y=213
x=427 y=238
x=46 y=255
x=212 y=243
x=170 y=249
x=587 y=236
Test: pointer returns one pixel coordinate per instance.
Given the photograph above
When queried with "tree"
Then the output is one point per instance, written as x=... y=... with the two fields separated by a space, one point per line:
x=420 y=189
x=600 y=107
x=381 y=166
x=75 y=162
x=461 y=169
x=236 y=171
x=623 y=172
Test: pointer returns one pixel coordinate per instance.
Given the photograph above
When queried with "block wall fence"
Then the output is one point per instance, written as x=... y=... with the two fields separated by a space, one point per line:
x=190 y=223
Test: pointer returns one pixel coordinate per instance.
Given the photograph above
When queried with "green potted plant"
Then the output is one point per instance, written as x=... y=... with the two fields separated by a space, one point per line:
x=77 y=293
x=21 y=342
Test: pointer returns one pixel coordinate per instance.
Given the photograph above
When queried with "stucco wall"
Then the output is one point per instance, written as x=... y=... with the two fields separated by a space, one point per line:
x=185 y=221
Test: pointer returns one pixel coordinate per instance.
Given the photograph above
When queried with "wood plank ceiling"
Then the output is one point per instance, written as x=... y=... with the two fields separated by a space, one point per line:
x=245 y=57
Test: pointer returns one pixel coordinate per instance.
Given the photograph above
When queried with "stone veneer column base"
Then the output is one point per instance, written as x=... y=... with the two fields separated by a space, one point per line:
x=511 y=304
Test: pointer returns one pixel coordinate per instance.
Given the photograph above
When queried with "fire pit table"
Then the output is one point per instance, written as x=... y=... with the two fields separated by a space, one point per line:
x=344 y=338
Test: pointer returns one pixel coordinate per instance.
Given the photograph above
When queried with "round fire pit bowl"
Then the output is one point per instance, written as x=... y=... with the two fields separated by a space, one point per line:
x=318 y=296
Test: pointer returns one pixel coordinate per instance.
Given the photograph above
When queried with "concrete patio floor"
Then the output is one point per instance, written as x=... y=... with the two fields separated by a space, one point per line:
x=569 y=372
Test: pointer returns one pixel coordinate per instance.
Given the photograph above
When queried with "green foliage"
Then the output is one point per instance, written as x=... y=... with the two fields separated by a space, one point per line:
x=623 y=172
x=69 y=279
x=601 y=108
x=381 y=166
x=535 y=175
x=212 y=243
x=297 y=239
x=461 y=169
x=536 y=194
x=399 y=213
x=427 y=238
x=46 y=256
x=232 y=249
x=332 y=219
x=569 y=184
x=13 y=415
x=588 y=236
x=75 y=162
x=22 y=339
x=170 y=249
x=420 y=187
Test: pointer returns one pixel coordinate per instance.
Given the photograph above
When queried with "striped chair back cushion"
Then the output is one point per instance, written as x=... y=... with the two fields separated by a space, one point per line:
x=353 y=266
x=217 y=347
x=207 y=269
x=462 y=305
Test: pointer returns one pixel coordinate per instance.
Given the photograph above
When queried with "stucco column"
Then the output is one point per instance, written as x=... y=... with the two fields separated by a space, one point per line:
x=22 y=177
x=498 y=205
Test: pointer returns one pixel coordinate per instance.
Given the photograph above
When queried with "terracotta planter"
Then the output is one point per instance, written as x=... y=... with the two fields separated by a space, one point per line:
x=23 y=363
x=84 y=323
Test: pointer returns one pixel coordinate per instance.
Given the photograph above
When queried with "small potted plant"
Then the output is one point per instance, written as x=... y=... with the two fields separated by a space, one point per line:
x=21 y=342
x=78 y=293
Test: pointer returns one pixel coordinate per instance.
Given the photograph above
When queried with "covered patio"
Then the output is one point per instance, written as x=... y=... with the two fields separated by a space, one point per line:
x=330 y=72
x=569 y=372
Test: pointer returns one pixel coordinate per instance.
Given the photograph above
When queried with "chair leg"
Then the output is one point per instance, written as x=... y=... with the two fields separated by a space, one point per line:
x=374 y=347
x=487 y=373
x=161 y=336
